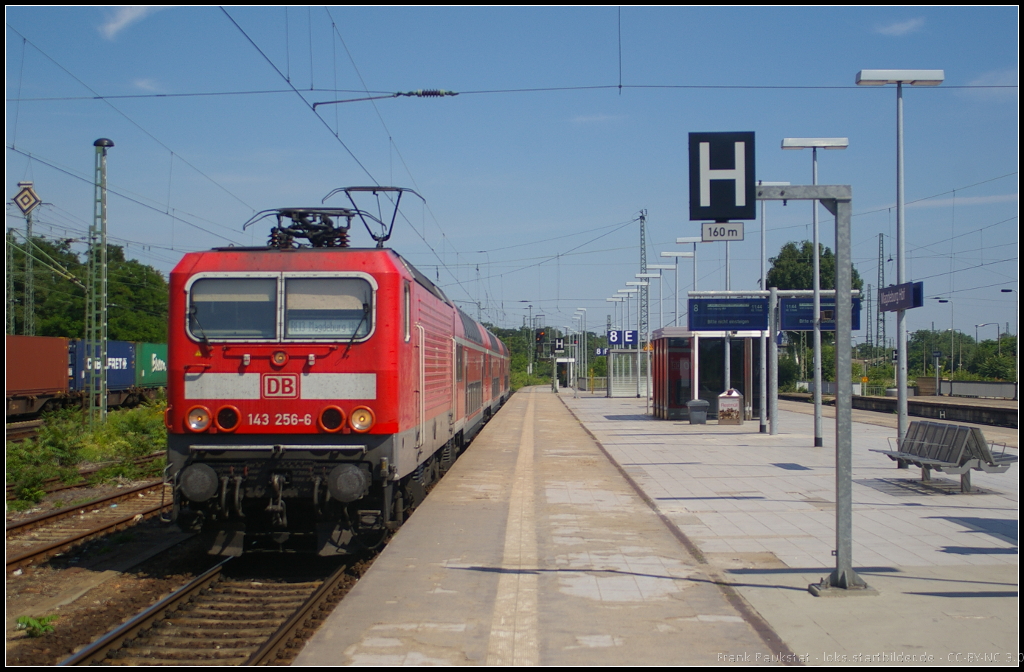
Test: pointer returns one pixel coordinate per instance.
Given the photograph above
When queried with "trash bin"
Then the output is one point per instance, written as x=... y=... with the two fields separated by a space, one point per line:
x=730 y=407
x=698 y=409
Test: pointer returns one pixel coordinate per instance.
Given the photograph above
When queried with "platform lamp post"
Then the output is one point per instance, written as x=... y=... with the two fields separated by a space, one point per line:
x=615 y=300
x=952 y=333
x=899 y=78
x=584 y=355
x=647 y=277
x=624 y=293
x=676 y=256
x=764 y=288
x=692 y=240
x=627 y=292
x=638 y=284
x=814 y=144
x=661 y=289
x=988 y=324
x=1016 y=321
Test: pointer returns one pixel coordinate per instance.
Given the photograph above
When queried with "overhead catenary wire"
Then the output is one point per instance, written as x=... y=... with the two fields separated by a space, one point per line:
x=133 y=122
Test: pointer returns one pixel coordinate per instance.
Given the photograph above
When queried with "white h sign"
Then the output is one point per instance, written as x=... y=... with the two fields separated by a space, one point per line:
x=737 y=174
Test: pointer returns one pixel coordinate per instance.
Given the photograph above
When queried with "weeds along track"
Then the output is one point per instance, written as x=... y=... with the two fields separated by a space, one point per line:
x=55 y=484
x=238 y=613
x=35 y=540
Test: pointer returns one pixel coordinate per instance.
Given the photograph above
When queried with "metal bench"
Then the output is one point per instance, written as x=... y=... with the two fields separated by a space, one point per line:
x=952 y=449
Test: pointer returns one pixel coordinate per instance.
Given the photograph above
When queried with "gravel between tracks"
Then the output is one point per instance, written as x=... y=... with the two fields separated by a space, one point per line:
x=95 y=588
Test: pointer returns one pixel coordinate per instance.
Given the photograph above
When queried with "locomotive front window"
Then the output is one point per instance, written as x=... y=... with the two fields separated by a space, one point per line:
x=233 y=308
x=327 y=308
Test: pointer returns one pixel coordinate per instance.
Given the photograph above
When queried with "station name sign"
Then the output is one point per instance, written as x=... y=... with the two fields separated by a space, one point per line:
x=901 y=297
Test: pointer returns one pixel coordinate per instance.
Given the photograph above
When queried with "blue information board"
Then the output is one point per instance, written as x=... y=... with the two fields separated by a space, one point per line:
x=797 y=314
x=728 y=314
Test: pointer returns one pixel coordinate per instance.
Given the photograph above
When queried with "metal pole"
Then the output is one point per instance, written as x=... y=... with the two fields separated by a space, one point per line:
x=96 y=316
x=728 y=343
x=676 y=320
x=763 y=404
x=10 y=282
x=901 y=270
x=30 y=283
x=773 y=387
x=638 y=345
x=844 y=576
x=817 y=310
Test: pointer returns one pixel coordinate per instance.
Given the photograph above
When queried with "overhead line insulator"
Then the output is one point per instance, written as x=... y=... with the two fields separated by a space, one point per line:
x=429 y=93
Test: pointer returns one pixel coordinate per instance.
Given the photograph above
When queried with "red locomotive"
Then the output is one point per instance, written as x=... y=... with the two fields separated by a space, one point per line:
x=314 y=391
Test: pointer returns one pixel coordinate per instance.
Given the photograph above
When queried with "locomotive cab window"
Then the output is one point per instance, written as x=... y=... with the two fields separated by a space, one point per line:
x=233 y=308
x=327 y=308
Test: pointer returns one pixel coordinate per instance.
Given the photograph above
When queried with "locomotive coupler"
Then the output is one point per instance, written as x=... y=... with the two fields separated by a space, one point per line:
x=277 y=508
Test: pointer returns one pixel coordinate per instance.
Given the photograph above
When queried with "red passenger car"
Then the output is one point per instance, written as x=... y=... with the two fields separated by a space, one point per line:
x=315 y=391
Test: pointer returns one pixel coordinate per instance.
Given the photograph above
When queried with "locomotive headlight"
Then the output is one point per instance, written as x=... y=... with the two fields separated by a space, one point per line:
x=362 y=419
x=279 y=358
x=198 y=419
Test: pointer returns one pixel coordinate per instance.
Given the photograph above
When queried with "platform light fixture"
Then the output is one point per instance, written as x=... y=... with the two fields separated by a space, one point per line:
x=814 y=144
x=899 y=78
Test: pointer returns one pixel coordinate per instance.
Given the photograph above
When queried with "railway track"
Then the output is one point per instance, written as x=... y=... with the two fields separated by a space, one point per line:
x=52 y=485
x=20 y=431
x=230 y=615
x=37 y=539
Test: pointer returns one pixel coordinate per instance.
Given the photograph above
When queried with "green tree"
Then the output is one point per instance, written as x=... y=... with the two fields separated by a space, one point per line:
x=137 y=294
x=793 y=268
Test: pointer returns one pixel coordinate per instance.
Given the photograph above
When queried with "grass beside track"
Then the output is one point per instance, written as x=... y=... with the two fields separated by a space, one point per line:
x=65 y=444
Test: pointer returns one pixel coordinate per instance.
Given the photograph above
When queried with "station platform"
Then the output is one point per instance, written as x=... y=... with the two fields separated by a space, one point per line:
x=581 y=531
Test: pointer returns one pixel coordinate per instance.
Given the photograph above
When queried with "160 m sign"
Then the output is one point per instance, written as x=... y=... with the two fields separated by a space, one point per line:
x=715 y=231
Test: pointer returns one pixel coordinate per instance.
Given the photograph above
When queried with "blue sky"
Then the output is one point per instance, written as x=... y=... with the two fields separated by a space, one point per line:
x=530 y=193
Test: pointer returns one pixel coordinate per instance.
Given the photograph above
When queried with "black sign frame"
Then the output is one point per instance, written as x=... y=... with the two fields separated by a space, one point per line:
x=722 y=191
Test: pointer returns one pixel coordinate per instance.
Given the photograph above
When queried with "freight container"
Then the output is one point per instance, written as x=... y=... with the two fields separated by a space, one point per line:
x=120 y=365
x=36 y=372
x=150 y=365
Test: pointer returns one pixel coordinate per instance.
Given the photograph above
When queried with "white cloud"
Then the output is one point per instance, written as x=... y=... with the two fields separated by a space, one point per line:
x=123 y=17
x=961 y=201
x=900 y=27
x=996 y=78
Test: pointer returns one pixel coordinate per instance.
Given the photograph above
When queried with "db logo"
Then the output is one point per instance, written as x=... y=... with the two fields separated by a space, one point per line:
x=281 y=385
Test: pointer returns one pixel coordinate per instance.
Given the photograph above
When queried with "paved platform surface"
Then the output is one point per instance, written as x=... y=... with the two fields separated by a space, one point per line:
x=580 y=531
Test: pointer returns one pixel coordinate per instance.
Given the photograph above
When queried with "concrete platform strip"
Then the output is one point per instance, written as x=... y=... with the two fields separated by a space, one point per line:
x=513 y=639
